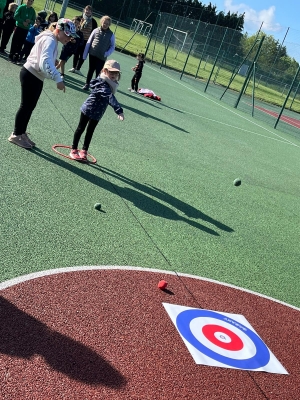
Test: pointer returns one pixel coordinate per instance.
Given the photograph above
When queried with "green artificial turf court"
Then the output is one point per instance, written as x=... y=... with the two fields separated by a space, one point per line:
x=164 y=178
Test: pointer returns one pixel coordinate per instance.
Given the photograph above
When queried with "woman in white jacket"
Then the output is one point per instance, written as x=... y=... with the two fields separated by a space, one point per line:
x=40 y=64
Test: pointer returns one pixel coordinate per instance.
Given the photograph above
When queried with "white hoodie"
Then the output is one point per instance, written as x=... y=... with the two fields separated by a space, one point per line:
x=41 y=60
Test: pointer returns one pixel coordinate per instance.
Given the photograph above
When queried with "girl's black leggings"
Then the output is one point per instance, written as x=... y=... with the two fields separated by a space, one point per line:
x=95 y=65
x=77 y=59
x=31 y=89
x=135 y=81
x=84 y=122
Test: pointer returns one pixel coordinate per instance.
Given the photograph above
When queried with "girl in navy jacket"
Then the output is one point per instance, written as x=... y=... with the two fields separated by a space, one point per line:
x=103 y=90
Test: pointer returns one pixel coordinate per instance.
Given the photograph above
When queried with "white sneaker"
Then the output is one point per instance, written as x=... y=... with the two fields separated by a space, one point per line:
x=72 y=70
x=132 y=91
x=19 y=141
x=78 y=72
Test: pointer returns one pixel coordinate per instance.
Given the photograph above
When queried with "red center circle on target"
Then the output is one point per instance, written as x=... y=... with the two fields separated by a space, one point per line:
x=235 y=344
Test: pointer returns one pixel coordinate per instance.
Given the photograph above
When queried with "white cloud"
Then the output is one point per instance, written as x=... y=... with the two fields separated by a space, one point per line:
x=253 y=18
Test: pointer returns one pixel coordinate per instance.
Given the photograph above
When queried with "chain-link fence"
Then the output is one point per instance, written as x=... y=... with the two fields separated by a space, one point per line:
x=246 y=72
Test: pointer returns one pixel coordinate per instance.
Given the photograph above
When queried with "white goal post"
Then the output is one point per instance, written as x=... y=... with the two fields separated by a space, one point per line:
x=178 y=38
x=142 y=27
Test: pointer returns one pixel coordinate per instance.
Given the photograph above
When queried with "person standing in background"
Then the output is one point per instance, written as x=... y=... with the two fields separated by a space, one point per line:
x=100 y=45
x=24 y=16
x=8 y=26
x=87 y=25
x=40 y=64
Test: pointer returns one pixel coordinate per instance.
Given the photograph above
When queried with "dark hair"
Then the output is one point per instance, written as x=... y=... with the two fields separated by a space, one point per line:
x=77 y=18
x=53 y=14
x=40 y=19
x=142 y=55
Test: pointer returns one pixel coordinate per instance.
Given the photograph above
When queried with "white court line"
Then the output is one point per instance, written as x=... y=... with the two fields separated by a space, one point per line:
x=235 y=127
x=40 y=274
x=283 y=140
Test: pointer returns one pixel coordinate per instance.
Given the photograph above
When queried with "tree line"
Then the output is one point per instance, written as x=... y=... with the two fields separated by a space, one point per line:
x=273 y=56
x=194 y=9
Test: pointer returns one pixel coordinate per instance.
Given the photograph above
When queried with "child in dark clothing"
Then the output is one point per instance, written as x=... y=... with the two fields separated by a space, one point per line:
x=70 y=48
x=53 y=17
x=34 y=30
x=138 y=72
x=24 y=16
x=103 y=92
x=44 y=23
x=8 y=26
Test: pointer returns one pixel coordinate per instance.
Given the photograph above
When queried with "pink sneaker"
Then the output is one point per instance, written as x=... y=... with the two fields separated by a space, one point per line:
x=75 y=155
x=83 y=155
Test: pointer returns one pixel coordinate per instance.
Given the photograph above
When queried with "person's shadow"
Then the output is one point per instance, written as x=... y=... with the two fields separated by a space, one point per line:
x=138 y=196
x=23 y=336
x=187 y=209
x=146 y=115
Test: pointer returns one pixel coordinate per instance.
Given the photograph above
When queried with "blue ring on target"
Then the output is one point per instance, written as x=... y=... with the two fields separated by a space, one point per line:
x=260 y=359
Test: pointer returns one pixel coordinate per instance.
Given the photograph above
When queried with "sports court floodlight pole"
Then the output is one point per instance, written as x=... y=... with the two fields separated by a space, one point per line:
x=194 y=37
x=216 y=59
x=287 y=97
x=164 y=57
x=63 y=8
x=250 y=71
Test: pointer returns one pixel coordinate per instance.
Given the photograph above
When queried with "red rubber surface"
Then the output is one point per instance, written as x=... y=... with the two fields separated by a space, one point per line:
x=105 y=335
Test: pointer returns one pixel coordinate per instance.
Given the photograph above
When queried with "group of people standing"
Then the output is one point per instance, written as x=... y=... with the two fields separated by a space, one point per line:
x=82 y=38
x=97 y=43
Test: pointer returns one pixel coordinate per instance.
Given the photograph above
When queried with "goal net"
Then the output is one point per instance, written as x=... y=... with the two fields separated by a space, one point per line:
x=175 y=37
x=142 y=27
x=49 y=5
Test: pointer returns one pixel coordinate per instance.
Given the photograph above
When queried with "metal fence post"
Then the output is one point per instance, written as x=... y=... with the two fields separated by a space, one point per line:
x=190 y=48
x=216 y=59
x=249 y=72
x=164 y=57
x=287 y=97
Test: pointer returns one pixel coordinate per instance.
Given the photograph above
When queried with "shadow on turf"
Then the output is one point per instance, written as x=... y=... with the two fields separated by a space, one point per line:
x=140 y=98
x=146 y=115
x=140 y=195
x=74 y=83
x=187 y=209
x=24 y=336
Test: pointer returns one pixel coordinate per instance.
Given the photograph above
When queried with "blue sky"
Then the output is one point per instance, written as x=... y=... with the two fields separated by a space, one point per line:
x=277 y=16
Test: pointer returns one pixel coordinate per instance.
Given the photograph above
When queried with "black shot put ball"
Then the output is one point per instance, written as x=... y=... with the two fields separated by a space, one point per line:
x=97 y=206
x=237 y=182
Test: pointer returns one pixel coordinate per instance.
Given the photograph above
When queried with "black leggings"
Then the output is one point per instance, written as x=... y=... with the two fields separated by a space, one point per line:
x=31 y=89
x=77 y=59
x=91 y=126
x=18 y=39
x=95 y=64
x=135 y=81
x=26 y=49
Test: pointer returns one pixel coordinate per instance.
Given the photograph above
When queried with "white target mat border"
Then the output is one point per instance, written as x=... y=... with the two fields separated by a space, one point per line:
x=222 y=339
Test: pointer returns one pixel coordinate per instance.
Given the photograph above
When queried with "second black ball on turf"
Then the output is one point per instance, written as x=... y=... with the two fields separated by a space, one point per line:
x=237 y=182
